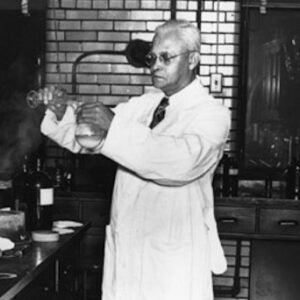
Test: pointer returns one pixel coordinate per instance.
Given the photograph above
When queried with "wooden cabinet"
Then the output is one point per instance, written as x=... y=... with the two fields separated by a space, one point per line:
x=275 y=270
x=94 y=208
x=273 y=227
x=280 y=221
x=258 y=218
x=235 y=219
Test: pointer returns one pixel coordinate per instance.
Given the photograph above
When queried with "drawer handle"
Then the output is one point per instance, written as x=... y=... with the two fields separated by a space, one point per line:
x=228 y=220
x=288 y=223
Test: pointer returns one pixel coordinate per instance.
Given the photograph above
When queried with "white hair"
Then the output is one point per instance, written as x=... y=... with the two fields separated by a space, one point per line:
x=188 y=32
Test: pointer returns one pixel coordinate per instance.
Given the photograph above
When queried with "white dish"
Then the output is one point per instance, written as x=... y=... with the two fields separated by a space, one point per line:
x=44 y=236
x=62 y=231
x=66 y=224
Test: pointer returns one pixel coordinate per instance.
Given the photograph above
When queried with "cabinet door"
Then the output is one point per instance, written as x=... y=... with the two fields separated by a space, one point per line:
x=95 y=211
x=275 y=270
x=66 y=209
x=92 y=246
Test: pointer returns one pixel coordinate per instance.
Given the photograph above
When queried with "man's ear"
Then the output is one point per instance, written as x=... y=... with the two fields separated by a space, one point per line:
x=194 y=60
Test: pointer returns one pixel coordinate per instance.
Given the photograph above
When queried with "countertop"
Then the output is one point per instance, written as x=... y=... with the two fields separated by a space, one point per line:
x=256 y=201
x=36 y=259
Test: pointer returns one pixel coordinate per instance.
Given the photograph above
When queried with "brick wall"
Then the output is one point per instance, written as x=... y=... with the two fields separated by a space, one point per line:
x=77 y=26
x=74 y=27
x=220 y=26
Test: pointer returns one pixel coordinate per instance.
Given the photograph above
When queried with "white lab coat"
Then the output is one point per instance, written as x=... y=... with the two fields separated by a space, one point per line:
x=162 y=241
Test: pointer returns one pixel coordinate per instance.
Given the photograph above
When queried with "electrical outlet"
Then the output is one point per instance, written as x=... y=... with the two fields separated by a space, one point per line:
x=216 y=83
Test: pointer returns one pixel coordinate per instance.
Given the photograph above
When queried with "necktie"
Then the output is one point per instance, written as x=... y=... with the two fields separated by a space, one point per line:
x=159 y=112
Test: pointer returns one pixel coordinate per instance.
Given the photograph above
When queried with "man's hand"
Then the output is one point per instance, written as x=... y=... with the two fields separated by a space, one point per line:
x=95 y=113
x=55 y=100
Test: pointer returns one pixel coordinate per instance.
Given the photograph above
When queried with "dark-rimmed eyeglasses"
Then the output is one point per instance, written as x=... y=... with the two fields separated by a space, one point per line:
x=163 y=57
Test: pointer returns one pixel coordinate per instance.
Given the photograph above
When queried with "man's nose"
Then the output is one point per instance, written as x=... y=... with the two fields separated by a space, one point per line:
x=157 y=64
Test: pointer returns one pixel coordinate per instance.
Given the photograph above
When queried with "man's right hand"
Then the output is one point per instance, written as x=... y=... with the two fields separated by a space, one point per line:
x=55 y=100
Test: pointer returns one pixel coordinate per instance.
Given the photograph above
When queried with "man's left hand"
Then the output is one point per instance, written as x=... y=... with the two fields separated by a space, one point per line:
x=95 y=113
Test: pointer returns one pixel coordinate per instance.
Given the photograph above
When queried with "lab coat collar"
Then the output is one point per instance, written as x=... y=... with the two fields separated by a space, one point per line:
x=185 y=97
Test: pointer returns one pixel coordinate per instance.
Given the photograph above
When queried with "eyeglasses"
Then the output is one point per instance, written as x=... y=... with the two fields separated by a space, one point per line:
x=163 y=57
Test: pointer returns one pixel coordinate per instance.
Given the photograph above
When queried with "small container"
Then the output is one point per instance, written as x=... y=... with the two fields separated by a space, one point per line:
x=45 y=236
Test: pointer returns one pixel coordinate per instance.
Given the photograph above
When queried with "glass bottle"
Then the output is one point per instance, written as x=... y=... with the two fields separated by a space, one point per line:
x=233 y=177
x=42 y=193
x=21 y=192
x=230 y=176
x=218 y=181
x=226 y=181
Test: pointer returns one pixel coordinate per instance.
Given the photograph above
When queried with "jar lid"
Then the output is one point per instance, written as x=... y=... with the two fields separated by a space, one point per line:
x=44 y=236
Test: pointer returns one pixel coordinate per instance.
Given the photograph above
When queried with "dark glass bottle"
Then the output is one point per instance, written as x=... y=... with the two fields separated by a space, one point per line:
x=226 y=182
x=293 y=171
x=42 y=193
x=218 y=183
x=230 y=176
x=233 y=177
x=21 y=192
x=58 y=180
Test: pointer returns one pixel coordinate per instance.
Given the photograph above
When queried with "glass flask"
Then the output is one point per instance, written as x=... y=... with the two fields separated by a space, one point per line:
x=88 y=135
x=47 y=95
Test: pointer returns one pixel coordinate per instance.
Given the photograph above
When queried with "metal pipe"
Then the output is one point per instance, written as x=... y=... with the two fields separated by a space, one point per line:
x=84 y=55
x=135 y=53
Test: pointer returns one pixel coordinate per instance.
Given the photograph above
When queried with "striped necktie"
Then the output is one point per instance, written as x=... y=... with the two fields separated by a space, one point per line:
x=159 y=112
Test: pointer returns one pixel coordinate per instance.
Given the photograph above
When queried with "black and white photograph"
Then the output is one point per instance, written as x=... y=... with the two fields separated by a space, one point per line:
x=149 y=149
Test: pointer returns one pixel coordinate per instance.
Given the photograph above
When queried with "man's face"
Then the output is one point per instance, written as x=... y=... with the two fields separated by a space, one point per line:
x=174 y=75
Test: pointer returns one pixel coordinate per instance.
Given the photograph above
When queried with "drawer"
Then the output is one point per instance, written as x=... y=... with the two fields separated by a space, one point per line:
x=279 y=221
x=235 y=219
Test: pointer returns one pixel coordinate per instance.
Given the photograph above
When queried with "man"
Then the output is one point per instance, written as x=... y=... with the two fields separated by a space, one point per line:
x=162 y=241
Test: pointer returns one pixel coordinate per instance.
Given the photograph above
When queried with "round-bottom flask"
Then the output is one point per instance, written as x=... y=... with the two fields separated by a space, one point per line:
x=88 y=135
